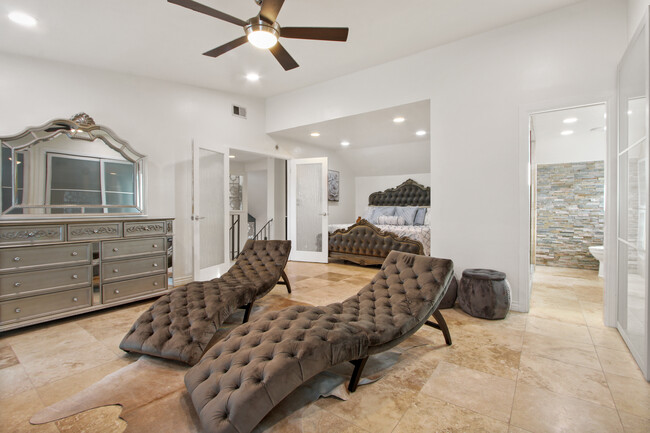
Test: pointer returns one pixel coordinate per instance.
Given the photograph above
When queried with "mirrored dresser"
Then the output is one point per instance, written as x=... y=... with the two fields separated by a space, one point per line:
x=74 y=236
x=53 y=269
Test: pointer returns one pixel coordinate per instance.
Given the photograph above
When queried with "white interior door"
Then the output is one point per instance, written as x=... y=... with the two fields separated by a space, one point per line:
x=209 y=212
x=633 y=319
x=307 y=213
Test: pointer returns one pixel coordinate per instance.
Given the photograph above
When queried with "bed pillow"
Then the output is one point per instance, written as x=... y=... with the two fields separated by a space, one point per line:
x=367 y=214
x=381 y=211
x=427 y=217
x=419 y=216
x=390 y=220
x=406 y=212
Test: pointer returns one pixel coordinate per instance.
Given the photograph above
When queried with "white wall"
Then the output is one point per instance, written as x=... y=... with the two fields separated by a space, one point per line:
x=257 y=188
x=160 y=119
x=635 y=11
x=478 y=89
x=366 y=185
x=578 y=148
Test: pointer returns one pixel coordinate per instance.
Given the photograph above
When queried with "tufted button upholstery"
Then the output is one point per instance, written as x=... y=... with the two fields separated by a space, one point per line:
x=245 y=375
x=180 y=325
x=409 y=193
x=365 y=239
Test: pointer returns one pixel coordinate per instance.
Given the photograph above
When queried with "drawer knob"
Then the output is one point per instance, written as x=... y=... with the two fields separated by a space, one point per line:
x=155 y=283
x=17 y=284
x=30 y=234
x=75 y=276
x=75 y=299
x=117 y=292
x=16 y=259
x=17 y=310
x=115 y=249
x=74 y=253
x=155 y=245
x=95 y=231
x=116 y=270
x=155 y=265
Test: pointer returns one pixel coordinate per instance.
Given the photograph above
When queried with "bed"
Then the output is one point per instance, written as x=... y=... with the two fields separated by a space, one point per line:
x=403 y=198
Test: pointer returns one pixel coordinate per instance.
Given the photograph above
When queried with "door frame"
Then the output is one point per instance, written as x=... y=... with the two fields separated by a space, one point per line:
x=306 y=256
x=524 y=289
x=196 y=211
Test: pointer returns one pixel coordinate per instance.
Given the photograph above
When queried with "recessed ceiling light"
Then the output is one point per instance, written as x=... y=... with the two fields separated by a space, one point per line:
x=231 y=156
x=22 y=18
x=345 y=143
x=421 y=132
x=399 y=119
x=629 y=112
x=567 y=132
x=570 y=120
x=252 y=76
x=315 y=134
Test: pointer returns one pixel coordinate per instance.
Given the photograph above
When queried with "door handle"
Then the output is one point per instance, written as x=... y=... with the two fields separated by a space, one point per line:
x=196 y=218
x=323 y=214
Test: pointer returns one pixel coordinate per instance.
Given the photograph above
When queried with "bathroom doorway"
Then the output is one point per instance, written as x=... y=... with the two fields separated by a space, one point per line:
x=568 y=160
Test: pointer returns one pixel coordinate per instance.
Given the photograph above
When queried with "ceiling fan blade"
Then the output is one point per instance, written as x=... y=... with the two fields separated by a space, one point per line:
x=283 y=56
x=198 y=7
x=339 y=34
x=216 y=52
x=270 y=10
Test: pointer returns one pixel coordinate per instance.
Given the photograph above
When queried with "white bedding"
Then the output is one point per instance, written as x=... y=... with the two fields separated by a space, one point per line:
x=418 y=233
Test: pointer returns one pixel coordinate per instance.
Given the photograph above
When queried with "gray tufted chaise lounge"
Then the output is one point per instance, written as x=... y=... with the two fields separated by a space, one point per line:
x=241 y=378
x=181 y=324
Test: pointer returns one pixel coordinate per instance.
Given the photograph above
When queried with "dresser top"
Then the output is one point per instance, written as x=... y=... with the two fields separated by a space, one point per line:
x=91 y=220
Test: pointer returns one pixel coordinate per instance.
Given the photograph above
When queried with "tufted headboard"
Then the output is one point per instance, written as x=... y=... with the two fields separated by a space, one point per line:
x=410 y=193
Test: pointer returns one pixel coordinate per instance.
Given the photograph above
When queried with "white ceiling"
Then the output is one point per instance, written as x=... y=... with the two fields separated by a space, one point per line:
x=375 y=128
x=590 y=124
x=157 y=39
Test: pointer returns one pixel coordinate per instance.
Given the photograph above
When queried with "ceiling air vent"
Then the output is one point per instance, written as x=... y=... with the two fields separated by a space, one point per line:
x=239 y=111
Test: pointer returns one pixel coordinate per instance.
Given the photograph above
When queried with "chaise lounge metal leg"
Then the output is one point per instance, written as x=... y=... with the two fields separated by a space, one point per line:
x=285 y=281
x=247 y=313
x=356 y=374
x=441 y=325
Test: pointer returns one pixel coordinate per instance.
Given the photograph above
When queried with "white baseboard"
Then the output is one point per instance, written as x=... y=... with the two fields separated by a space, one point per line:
x=179 y=281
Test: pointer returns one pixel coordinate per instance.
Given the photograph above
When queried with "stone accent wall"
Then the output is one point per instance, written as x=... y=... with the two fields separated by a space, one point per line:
x=570 y=213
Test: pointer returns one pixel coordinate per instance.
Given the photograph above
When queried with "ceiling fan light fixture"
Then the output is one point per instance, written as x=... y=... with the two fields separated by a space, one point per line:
x=262 y=34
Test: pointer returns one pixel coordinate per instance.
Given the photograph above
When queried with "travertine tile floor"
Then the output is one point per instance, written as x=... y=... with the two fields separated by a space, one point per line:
x=556 y=369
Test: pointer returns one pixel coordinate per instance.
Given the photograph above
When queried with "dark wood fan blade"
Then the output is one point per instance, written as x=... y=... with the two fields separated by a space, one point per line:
x=339 y=34
x=198 y=7
x=283 y=56
x=226 y=47
x=270 y=10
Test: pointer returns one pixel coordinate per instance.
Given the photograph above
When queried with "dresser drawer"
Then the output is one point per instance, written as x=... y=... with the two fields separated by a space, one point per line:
x=113 y=292
x=130 y=248
x=35 y=257
x=118 y=270
x=89 y=232
x=144 y=228
x=42 y=305
x=31 y=234
x=31 y=283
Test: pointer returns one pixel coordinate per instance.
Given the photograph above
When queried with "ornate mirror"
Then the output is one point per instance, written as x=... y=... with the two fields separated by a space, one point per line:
x=70 y=167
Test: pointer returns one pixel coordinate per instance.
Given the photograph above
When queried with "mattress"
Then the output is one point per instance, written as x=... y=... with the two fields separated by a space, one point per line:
x=418 y=233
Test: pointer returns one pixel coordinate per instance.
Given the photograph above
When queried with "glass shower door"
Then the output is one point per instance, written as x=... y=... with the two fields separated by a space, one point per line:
x=632 y=313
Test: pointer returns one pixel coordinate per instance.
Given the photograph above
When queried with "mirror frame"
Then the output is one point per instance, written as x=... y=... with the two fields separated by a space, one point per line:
x=79 y=127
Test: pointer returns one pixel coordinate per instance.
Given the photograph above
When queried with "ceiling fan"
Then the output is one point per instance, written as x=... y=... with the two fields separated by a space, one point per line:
x=263 y=31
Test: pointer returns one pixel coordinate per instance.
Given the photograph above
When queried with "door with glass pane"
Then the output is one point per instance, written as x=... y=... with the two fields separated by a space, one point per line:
x=632 y=312
x=209 y=212
x=307 y=213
